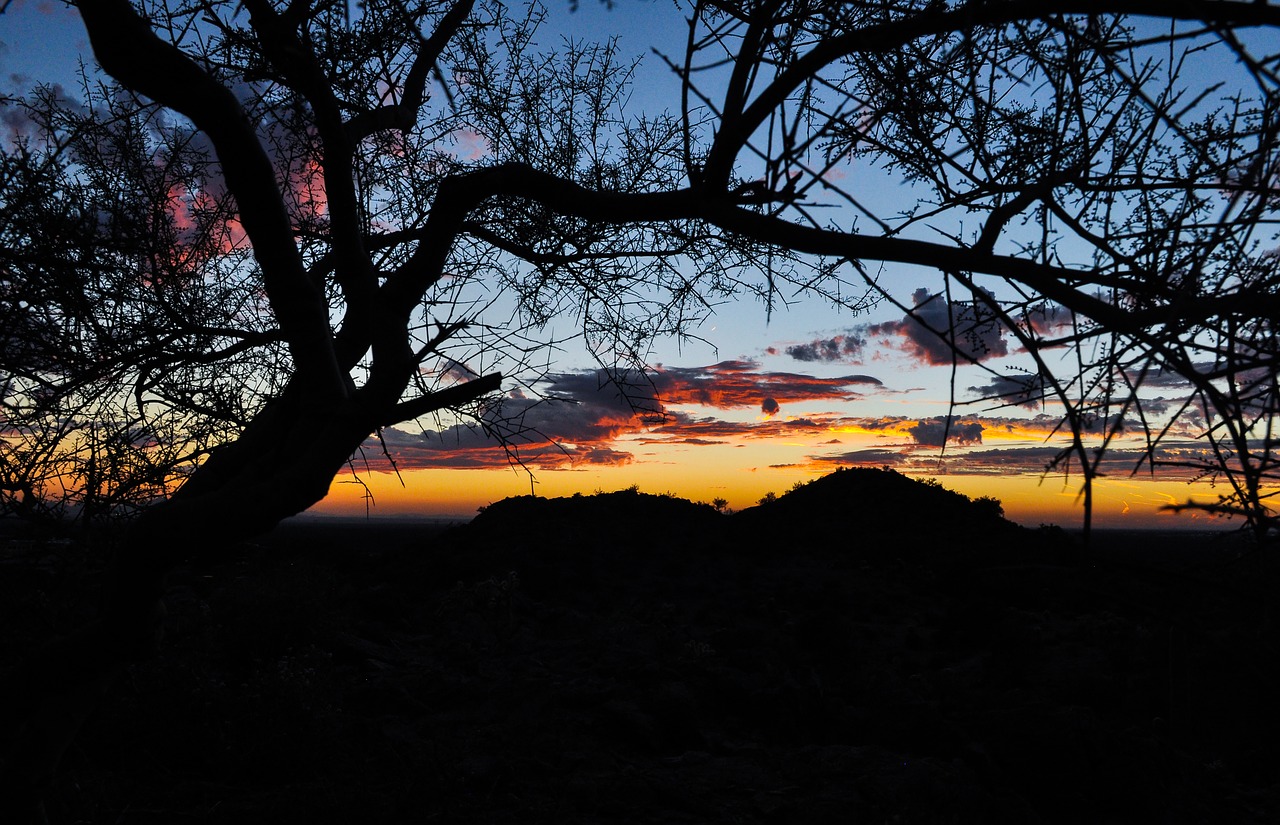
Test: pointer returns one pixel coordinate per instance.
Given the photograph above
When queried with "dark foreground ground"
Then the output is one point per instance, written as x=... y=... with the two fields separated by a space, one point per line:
x=871 y=650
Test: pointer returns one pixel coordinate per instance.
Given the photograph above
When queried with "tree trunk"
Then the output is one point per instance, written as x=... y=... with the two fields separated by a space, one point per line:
x=281 y=465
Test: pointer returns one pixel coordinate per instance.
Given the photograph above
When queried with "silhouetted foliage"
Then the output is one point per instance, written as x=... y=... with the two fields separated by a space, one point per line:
x=275 y=229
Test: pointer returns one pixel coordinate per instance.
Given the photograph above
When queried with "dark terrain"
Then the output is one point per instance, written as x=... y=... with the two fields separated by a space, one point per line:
x=865 y=649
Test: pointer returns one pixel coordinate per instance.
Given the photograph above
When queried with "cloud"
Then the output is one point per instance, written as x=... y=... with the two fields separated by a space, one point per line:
x=583 y=414
x=469 y=145
x=18 y=120
x=18 y=124
x=577 y=424
x=1022 y=389
x=584 y=419
x=1116 y=462
x=873 y=457
x=1169 y=378
x=1157 y=406
x=1047 y=319
x=474 y=447
x=936 y=432
x=846 y=348
x=681 y=428
x=1175 y=461
x=741 y=384
x=932 y=331
x=936 y=331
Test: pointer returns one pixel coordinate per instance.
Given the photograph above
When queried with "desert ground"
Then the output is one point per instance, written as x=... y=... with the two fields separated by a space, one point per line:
x=865 y=649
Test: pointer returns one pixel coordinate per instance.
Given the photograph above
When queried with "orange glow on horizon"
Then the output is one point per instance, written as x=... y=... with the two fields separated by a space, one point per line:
x=1027 y=499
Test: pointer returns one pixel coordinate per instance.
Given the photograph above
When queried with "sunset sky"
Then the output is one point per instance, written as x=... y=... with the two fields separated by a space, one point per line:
x=795 y=397
x=764 y=401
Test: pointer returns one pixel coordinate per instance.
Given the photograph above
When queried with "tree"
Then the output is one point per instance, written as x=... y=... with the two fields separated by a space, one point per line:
x=259 y=242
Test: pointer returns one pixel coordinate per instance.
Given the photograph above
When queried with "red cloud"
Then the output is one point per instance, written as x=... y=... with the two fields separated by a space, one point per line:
x=585 y=413
x=734 y=384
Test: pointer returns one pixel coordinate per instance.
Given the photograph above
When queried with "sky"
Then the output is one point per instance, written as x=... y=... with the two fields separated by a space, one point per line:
x=765 y=400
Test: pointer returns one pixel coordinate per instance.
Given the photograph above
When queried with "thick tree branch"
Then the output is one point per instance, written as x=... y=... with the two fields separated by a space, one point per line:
x=404 y=113
x=129 y=50
x=879 y=38
x=1055 y=283
x=297 y=63
x=460 y=194
x=449 y=397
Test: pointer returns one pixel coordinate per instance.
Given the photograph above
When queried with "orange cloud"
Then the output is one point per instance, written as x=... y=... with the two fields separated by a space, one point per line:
x=584 y=415
x=740 y=384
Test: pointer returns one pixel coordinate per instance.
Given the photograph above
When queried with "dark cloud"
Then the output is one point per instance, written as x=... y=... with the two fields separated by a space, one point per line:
x=1156 y=406
x=847 y=348
x=732 y=384
x=18 y=122
x=1091 y=423
x=582 y=414
x=594 y=455
x=471 y=447
x=1172 y=461
x=683 y=429
x=1006 y=461
x=932 y=331
x=935 y=432
x=1047 y=319
x=577 y=424
x=936 y=330
x=887 y=423
x=1165 y=378
x=1003 y=462
x=1175 y=461
x=1022 y=389
x=874 y=457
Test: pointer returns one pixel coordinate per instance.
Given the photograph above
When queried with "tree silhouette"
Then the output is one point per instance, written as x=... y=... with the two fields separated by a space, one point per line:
x=278 y=228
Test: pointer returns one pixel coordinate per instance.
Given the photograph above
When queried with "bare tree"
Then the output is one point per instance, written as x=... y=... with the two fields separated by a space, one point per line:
x=262 y=240
x=1083 y=180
